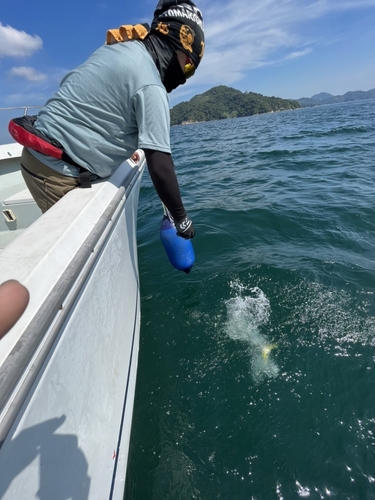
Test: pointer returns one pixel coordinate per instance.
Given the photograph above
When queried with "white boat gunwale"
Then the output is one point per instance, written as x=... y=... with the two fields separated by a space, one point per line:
x=29 y=353
x=25 y=349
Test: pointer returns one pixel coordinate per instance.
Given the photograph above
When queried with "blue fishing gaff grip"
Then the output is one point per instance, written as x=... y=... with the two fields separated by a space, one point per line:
x=180 y=251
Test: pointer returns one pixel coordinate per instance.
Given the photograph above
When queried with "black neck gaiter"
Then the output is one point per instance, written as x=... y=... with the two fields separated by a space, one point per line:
x=166 y=60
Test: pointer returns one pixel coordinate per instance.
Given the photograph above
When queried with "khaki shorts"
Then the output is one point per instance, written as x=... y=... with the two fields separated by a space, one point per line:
x=45 y=184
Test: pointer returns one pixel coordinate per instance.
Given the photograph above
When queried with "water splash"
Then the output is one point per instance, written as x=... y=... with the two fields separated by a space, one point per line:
x=246 y=314
x=331 y=318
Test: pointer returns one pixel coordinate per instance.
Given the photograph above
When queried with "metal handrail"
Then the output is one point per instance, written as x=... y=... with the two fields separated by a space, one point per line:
x=25 y=108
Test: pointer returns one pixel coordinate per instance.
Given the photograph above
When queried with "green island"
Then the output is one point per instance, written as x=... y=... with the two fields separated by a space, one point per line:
x=223 y=102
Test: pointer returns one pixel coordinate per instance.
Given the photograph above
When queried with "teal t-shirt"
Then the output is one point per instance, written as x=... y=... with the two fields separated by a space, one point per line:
x=105 y=109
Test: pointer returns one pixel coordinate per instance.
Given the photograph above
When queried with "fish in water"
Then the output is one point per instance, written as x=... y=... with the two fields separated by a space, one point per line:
x=266 y=351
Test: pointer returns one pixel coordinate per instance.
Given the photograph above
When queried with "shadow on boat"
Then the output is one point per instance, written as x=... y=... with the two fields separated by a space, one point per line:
x=51 y=453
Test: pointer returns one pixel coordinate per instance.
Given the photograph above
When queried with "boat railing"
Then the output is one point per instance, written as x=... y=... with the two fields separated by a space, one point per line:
x=25 y=108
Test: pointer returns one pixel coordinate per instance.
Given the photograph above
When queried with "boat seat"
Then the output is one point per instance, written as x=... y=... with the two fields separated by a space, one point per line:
x=19 y=198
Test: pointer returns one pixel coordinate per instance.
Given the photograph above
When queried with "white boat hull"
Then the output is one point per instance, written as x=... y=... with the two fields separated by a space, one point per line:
x=68 y=367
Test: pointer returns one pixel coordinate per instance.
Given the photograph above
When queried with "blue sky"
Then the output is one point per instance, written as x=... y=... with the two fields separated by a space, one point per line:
x=286 y=48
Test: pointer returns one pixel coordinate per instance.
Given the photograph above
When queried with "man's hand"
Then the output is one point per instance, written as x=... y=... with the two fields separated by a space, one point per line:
x=185 y=228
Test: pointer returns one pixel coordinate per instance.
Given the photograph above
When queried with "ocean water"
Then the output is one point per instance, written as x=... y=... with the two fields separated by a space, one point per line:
x=257 y=370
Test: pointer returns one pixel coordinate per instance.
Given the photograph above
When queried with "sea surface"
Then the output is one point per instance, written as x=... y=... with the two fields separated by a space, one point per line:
x=256 y=372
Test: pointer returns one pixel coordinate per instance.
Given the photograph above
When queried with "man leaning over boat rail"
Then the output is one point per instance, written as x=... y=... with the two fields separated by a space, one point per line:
x=113 y=104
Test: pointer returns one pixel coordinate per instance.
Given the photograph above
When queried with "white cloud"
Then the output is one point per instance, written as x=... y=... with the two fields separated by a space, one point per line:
x=28 y=73
x=299 y=53
x=14 y=43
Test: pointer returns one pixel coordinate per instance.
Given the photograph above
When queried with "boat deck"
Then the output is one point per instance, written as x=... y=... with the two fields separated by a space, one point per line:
x=18 y=209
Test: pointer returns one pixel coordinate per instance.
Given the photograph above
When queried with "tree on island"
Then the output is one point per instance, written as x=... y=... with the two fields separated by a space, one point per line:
x=223 y=102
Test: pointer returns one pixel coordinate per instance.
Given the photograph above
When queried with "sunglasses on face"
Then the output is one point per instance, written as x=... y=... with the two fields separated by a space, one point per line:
x=189 y=68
